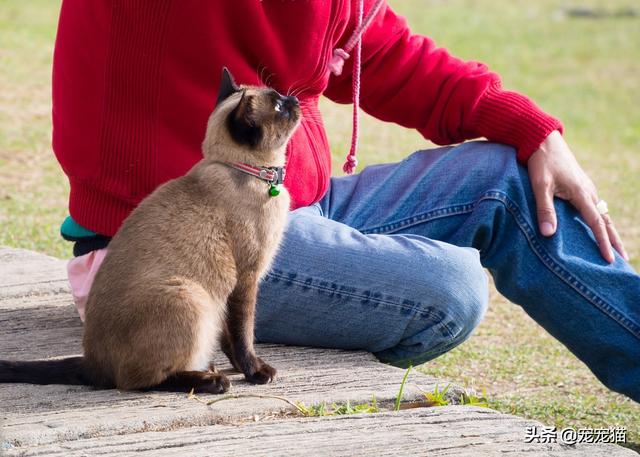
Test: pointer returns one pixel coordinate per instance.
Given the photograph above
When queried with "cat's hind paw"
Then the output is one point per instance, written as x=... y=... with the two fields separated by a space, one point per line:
x=264 y=374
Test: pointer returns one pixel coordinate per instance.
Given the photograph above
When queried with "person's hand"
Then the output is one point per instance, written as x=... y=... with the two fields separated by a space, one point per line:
x=554 y=171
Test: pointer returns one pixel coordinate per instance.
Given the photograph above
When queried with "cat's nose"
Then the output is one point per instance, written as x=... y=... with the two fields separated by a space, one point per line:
x=291 y=101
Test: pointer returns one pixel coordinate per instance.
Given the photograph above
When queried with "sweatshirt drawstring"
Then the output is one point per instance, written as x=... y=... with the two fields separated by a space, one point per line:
x=336 y=65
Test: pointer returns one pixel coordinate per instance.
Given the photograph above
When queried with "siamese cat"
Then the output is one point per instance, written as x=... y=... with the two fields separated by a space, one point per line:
x=181 y=275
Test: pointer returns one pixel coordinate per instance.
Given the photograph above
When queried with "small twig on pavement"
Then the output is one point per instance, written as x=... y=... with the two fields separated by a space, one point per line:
x=234 y=396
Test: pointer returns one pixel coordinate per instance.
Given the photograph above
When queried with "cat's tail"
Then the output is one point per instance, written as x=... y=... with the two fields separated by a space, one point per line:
x=70 y=370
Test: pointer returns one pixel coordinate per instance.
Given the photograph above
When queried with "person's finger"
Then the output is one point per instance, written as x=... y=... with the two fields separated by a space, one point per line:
x=616 y=241
x=545 y=210
x=584 y=203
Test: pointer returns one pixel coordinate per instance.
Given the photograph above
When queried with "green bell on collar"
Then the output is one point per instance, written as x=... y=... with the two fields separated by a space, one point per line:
x=274 y=191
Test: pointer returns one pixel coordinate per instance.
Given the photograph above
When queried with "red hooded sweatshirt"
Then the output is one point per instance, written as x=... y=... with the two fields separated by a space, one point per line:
x=134 y=82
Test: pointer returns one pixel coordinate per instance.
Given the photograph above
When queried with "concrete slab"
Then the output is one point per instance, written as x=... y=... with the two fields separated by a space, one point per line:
x=37 y=320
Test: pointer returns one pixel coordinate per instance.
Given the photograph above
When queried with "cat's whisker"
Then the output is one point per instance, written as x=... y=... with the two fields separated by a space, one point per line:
x=293 y=88
x=268 y=82
x=261 y=73
x=300 y=90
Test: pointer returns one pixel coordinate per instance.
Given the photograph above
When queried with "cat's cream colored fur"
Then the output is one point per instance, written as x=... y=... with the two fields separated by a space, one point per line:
x=181 y=274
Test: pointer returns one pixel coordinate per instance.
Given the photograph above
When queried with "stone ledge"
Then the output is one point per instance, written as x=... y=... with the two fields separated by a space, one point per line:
x=38 y=320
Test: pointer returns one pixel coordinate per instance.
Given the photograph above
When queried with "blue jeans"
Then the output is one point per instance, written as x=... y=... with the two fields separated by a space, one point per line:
x=391 y=261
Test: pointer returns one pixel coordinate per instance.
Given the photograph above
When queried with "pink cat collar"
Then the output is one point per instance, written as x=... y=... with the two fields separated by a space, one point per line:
x=271 y=175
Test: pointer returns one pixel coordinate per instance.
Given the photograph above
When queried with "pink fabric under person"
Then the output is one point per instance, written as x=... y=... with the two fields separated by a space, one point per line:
x=82 y=270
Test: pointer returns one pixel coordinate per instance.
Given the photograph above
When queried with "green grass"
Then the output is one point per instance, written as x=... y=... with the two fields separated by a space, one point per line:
x=33 y=190
x=401 y=389
x=339 y=409
x=584 y=71
x=438 y=396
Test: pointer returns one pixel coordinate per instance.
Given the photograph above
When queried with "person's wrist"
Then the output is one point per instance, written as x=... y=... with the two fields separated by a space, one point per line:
x=552 y=141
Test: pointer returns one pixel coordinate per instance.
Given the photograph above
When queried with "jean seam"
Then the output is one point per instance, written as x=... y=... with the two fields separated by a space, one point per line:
x=554 y=266
x=351 y=294
x=547 y=260
x=437 y=213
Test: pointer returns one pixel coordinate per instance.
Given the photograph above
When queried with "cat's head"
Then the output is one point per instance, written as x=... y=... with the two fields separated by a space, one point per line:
x=250 y=124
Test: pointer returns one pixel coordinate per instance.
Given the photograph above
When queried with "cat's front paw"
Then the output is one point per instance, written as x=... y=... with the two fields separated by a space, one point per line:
x=213 y=383
x=264 y=374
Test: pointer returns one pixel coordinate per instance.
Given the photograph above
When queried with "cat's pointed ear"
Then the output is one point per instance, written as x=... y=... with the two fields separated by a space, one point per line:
x=227 y=86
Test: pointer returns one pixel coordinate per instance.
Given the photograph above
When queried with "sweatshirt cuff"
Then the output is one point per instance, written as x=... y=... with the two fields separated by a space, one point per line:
x=511 y=118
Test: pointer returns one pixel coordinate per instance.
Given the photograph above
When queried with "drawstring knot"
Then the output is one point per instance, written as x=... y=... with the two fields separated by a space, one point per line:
x=350 y=164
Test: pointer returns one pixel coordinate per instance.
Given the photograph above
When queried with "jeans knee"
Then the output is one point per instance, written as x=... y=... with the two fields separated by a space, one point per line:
x=449 y=316
x=469 y=292
x=465 y=295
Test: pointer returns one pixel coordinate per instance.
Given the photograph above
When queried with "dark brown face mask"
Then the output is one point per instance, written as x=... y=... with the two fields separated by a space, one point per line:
x=262 y=118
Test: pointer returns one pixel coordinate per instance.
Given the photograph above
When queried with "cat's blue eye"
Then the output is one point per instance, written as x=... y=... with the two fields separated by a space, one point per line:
x=278 y=106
